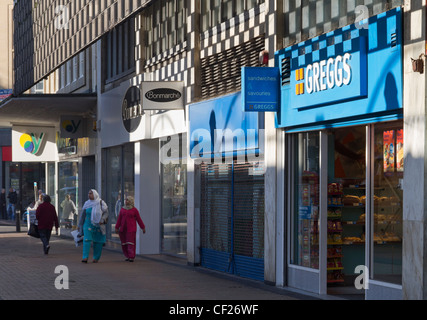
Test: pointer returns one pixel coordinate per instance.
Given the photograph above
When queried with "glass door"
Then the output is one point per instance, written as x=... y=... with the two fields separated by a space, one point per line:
x=346 y=208
x=307 y=159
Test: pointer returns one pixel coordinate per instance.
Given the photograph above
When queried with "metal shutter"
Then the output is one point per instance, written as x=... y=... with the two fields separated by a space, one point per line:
x=232 y=219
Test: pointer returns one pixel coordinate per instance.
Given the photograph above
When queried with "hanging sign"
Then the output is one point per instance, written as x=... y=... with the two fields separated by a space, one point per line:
x=71 y=127
x=33 y=144
x=260 y=89
x=162 y=95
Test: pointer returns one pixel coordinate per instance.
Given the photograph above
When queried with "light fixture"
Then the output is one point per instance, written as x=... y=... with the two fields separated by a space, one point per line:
x=418 y=64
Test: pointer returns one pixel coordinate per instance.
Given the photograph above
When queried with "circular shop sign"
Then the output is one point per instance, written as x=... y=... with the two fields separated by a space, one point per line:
x=132 y=109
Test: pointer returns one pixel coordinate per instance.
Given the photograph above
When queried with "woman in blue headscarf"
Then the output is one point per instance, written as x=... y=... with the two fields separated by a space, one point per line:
x=92 y=225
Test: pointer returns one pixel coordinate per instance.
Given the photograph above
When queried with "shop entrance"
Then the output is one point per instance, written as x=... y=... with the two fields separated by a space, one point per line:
x=345 y=204
x=232 y=218
x=346 y=208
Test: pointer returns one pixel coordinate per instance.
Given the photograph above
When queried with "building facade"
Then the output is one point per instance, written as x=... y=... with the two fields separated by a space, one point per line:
x=319 y=196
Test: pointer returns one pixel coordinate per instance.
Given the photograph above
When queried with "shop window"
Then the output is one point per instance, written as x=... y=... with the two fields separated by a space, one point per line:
x=118 y=182
x=305 y=200
x=67 y=186
x=388 y=203
x=174 y=195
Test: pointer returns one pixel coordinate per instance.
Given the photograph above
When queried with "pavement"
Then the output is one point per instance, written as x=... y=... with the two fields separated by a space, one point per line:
x=28 y=274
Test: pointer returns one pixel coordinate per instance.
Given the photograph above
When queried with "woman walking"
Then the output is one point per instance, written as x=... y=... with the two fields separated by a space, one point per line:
x=46 y=218
x=92 y=223
x=126 y=228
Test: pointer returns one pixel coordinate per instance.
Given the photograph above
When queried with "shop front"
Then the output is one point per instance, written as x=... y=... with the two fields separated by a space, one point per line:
x=341 y=117
x=33 y=150
x=143 y=156
x=226 y=145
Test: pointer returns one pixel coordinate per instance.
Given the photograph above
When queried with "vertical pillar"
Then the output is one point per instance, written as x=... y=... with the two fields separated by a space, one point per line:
x=148 y=183
x=414 y=269
x=270 y=152
x=193 y=91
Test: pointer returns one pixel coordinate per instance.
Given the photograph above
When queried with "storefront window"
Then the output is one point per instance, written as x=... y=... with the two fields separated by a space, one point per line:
x=21 y=177
x=388 y=203
x=51 y=188
x=67 y=191
x=174 y=194
x=305 y=217
x=119 y=182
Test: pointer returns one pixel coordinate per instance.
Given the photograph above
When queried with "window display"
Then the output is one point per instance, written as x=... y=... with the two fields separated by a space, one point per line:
x=388 y=204
x=305 y=230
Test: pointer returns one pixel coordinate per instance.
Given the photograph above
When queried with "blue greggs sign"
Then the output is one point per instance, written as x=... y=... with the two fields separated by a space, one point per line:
x=353 y=74
x=260 y=89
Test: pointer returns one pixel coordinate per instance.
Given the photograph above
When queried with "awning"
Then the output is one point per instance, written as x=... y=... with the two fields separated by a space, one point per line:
x=45 y=109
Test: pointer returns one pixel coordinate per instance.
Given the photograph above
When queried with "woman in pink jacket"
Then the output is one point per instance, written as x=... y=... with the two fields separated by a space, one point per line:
x=126 y=228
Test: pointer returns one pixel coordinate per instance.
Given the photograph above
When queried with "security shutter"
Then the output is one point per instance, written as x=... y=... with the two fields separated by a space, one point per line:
x=232 y=219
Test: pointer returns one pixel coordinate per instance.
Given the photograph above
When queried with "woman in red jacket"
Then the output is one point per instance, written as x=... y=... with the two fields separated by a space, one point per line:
x=46 y=218
x=126 y=228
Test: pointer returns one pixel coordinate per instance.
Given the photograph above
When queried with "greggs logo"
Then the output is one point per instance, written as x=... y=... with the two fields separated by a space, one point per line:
x=324 y=75
x=31 y=143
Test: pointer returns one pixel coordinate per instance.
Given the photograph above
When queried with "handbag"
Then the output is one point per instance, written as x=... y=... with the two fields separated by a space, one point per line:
x=34 y=231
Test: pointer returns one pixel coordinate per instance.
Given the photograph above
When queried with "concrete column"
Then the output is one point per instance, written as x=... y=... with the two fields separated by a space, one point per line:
x=414 y=277
x=147 y=195
x=271 y=7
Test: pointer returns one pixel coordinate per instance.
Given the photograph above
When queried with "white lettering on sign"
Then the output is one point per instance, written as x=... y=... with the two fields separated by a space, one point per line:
x=325 y=75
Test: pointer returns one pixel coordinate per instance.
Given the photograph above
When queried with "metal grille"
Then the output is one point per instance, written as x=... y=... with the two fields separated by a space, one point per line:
x=216 y=206
x=286 y=71
x=221 y=72
x=232 y=219
x=248 y=212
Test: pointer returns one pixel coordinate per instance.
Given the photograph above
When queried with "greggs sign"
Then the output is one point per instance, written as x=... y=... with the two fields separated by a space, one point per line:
x=330 y=79
x=325 y=75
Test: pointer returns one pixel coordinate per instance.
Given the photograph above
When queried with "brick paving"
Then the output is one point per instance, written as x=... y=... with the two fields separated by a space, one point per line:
x=27 y=274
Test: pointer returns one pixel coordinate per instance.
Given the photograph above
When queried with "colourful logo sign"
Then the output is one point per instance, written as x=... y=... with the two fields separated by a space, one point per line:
x=71 y=126
x=31 y=143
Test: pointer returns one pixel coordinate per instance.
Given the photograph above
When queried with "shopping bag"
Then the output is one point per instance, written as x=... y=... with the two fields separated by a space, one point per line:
x=77 y=237
x=33 y=231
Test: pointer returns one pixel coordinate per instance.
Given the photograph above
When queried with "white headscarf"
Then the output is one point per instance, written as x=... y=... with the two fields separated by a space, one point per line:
x=95 y=204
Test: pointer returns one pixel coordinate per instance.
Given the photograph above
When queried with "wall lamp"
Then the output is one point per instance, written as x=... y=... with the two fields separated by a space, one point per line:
x=418 y=64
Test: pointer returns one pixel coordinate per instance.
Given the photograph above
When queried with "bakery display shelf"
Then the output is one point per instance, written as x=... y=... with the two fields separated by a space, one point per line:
x=347 y=243
x=335 y=243
x=353 y=223
x=335 y=268
x=387 y=242
x=335 y=281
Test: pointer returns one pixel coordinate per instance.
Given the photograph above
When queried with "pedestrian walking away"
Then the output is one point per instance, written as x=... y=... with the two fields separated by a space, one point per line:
x=46 y=219
x=92 y=225
x=126 y=227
